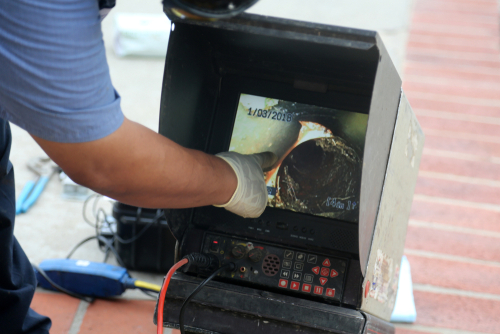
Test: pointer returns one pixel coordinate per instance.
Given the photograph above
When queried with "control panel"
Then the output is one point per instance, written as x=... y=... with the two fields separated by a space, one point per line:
x=287 y=269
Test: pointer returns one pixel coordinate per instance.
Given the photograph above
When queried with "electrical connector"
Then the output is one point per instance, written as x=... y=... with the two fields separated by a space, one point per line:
x=88 y=278
x=107 y=231
x=204 y=262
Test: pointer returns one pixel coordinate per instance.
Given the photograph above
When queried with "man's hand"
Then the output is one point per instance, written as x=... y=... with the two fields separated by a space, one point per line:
x=250 y=198
x=137 y=166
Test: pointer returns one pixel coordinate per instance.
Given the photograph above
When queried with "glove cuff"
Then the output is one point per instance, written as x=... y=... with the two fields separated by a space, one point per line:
x=237 y=186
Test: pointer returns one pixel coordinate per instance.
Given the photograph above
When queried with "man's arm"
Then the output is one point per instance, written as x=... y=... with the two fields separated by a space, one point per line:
x=57 y=87
x=137 y=166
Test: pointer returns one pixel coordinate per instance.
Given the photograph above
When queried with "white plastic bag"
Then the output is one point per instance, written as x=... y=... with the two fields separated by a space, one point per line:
x=141 y=35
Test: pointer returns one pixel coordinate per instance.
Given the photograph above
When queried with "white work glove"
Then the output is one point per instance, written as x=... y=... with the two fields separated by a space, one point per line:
x=250 y=197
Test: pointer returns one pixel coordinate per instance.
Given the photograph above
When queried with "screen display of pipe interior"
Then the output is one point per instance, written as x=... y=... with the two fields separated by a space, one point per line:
x=319 y=149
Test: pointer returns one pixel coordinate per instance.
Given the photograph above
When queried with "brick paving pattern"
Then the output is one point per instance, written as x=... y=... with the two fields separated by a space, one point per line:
x=59 y=307
x=119 y=316
x=452 y=79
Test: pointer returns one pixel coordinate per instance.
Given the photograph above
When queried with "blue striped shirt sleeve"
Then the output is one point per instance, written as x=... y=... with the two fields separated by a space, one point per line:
x=54 y=77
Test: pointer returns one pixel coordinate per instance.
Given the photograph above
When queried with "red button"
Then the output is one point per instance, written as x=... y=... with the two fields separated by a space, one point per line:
x=325 y=272
x=323 y=280
x=326 y=263
x=330 y=293
x=334 y=273
x=316 y=270
x=318 y=290
x=283 y=283
x=294 y=285
x=306 y=288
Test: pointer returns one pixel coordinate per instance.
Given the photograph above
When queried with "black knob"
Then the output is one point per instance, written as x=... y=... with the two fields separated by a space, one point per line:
x=238 y=251
x=255 y=255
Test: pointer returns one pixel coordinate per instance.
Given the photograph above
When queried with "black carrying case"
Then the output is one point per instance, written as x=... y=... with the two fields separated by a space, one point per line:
x=149 y=245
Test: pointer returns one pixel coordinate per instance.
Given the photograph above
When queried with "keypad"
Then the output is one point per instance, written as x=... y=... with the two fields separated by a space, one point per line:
x=295 y=271
x=310 y=273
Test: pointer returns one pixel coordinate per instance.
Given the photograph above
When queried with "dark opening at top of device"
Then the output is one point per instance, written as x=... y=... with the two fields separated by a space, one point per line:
x=320 y=154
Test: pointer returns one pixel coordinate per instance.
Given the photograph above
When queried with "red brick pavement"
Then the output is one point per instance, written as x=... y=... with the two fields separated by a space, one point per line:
x=119 y=316
x=60 y=308
x=475 y=277
x=462 y=313
x=456 y=215
x=452 y=79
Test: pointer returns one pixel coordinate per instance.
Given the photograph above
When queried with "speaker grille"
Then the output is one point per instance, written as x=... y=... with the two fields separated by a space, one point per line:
x=271 y=265
x=344 y=240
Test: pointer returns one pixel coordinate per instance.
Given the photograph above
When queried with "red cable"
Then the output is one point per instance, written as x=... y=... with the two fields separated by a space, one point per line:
x=161 y=301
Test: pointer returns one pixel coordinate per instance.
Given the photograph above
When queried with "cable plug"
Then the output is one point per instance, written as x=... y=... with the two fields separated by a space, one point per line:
x=128 y=282
x=200 y=261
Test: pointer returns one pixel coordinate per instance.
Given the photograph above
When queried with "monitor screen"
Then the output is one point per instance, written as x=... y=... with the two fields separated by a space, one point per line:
x=320 y=153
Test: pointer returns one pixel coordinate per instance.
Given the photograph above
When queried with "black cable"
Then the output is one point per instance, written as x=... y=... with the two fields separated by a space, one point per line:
x=79 y=244
x=60 y=288
x=98 y=226
x=109 y=245
x=150 y=293
x=101 y=238
x=138 y=235
x=106 y=255
x=148 y=290
x=84 y=212
x=198 y=289
x=94 y=205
